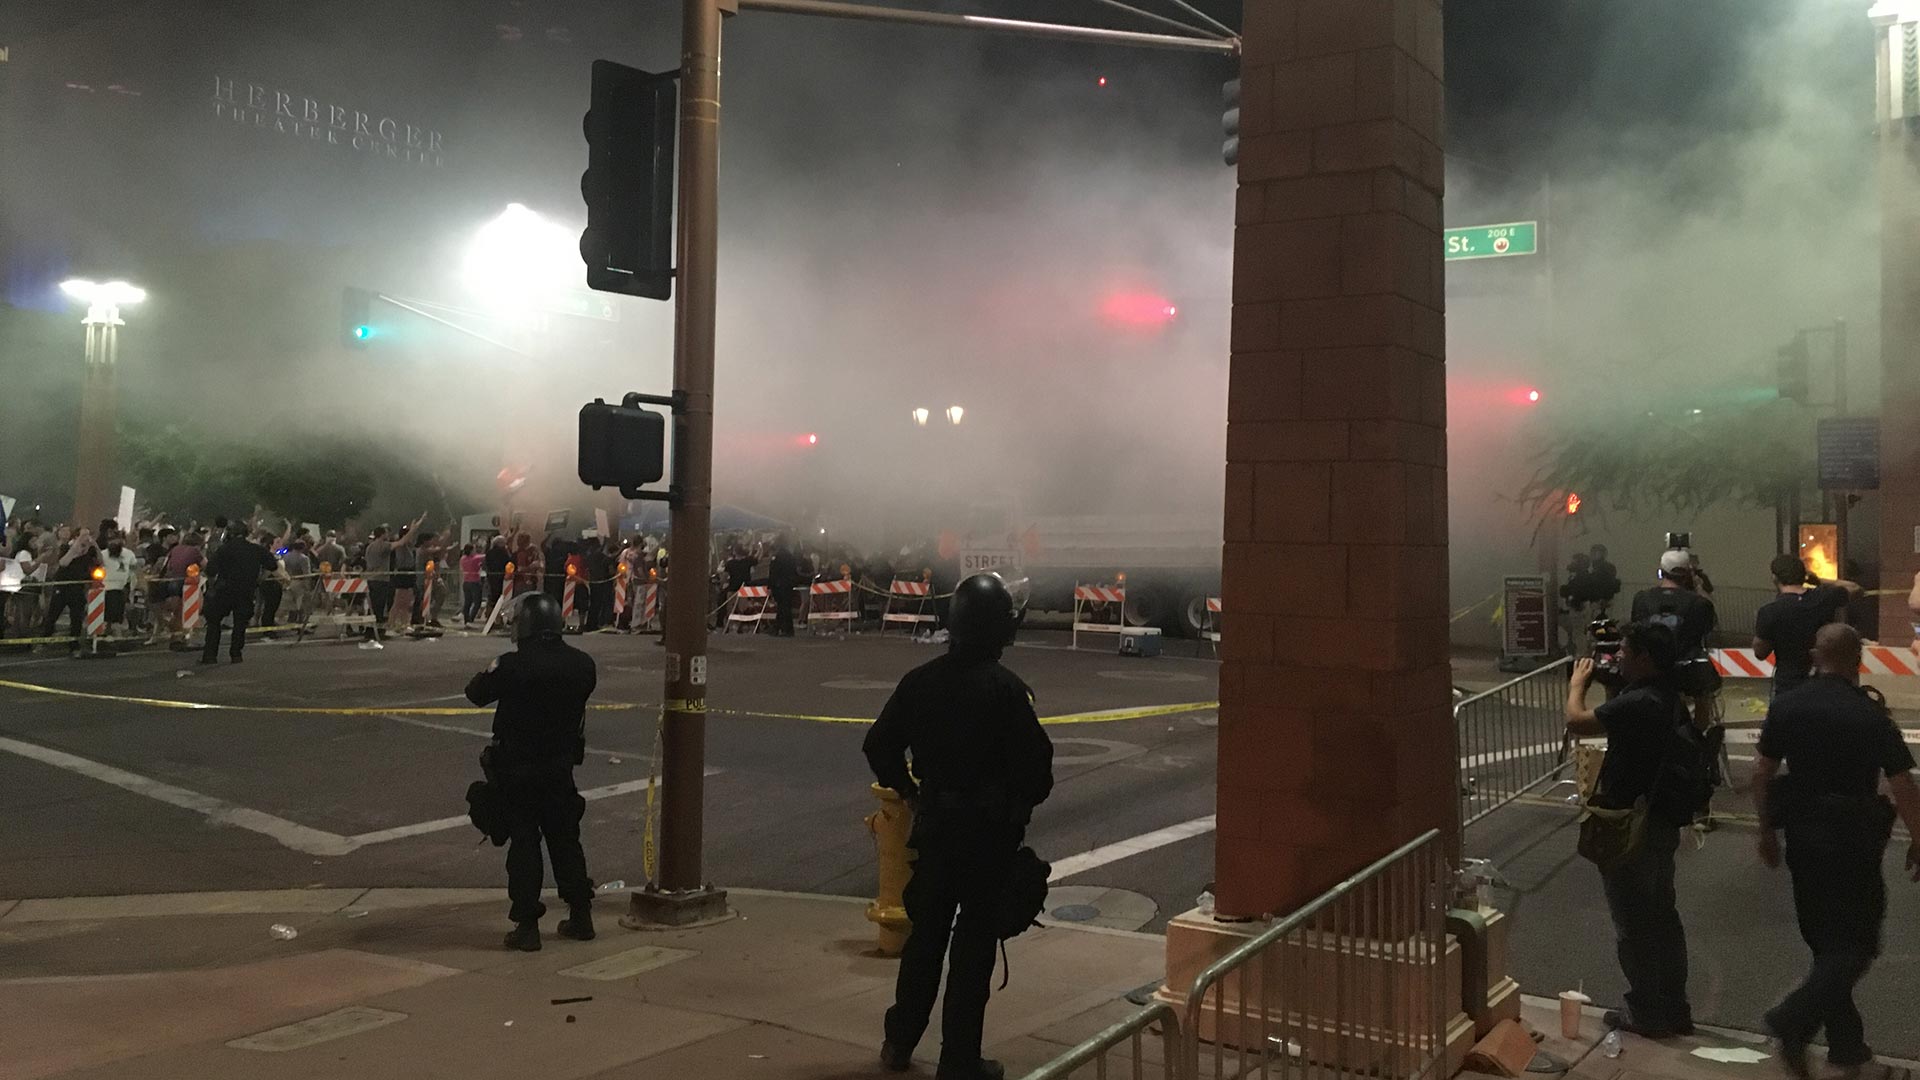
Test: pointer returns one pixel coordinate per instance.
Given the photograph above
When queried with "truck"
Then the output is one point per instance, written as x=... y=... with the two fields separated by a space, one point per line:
x=1170 y=562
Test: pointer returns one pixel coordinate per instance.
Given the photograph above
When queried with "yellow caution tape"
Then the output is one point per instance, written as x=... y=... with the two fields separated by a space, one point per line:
x=696 y=705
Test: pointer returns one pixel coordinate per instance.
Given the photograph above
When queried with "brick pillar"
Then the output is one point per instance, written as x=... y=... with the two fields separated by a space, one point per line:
x=1336 y=734
x=1899 y=177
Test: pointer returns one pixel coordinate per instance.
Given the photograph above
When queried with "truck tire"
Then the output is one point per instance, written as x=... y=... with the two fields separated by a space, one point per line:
x=1148 y=606
x=1192 y=621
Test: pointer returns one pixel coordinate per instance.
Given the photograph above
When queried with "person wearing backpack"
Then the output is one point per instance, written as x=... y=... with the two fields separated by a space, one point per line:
x=1653 y=781
x=980 y=764
x=1837 y=740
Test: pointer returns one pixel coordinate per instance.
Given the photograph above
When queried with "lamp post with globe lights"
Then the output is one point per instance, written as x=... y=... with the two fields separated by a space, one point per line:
x=93 y=494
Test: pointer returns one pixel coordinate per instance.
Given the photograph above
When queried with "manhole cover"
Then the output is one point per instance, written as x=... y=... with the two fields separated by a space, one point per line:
x=1145 y=675
x=1076 y=912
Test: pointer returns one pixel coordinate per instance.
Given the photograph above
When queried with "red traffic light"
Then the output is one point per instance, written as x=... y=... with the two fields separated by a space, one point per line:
x=812 y=439
x=1141 y=310
x=1573 y=503
x=1533 y=396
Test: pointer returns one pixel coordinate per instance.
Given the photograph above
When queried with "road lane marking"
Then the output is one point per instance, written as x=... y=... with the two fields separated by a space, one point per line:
x=289 y=834
x=1096 y=717
x=1101 y=856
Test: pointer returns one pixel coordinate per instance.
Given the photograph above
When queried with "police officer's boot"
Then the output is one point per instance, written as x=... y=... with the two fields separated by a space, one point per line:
x=524 y=937
x=578 y=924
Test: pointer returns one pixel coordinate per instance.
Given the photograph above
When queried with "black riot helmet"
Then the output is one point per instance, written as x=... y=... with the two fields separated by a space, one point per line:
x=537 y=617
x=982 y=618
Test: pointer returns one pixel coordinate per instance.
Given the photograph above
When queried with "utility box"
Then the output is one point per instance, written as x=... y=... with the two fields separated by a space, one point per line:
x=1140 y=641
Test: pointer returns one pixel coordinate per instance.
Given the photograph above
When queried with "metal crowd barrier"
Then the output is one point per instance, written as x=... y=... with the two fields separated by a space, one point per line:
x=1355 y=983
x=1134 y=1037
x=1512 y=739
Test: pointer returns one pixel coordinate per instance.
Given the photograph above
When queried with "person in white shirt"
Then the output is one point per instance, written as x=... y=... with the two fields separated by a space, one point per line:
x=118 y=562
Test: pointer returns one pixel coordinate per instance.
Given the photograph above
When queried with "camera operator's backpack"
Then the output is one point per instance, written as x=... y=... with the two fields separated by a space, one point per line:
x=1689 y=770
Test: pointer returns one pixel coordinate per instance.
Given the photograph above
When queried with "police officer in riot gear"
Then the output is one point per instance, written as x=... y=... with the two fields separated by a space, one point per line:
x=539 y=735
x=1837 y=741
x=980 y=764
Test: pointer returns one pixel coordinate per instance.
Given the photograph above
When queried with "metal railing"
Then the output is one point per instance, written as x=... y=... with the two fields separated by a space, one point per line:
x=1512 y=739
x=1356 y=982
x=1132 y=1034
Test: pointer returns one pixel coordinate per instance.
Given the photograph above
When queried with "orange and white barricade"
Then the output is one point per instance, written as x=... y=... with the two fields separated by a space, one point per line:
x=830 y=602
x=752 y=604
x=650 y=604
x=567 y=599
x=96 y=620
x=504 y=603
x=621 y=584
x=1213 y=622
x=1096 y=602
x=904 y=594
x=345 y=588
x=190 y=601
x=1874 y=660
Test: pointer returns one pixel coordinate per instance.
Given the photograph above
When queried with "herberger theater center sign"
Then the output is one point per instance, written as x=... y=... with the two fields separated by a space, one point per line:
x=300 y=117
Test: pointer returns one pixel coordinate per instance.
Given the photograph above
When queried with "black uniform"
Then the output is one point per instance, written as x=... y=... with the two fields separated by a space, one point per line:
x=1837 y=743
x=783 y=576
x=1650 y=941
x=235 y=570
x=539 y=735
x=983 y=764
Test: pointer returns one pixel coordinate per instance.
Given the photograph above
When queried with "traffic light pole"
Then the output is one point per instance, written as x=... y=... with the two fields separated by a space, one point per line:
x=682 y=895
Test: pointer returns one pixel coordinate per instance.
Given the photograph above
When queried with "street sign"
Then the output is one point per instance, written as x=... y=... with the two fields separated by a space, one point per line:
x=580 y=304
x=1849 y=453
x=987 y=560
x=1529 y=625
x=1493 y=241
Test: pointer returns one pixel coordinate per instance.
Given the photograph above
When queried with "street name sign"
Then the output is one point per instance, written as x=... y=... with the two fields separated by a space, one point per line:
x=1493 y=241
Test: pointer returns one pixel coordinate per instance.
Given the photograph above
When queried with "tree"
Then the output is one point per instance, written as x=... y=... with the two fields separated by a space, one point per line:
x=1683 y=460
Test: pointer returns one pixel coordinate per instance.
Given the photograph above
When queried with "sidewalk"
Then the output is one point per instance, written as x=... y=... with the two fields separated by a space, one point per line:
x=1671 y=1059
x=411 y=983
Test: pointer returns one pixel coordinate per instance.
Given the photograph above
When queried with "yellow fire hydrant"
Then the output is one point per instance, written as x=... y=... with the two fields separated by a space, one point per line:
x=891 y=826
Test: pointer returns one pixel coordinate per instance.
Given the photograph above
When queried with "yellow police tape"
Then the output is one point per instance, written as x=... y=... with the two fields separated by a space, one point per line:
x=1097 y=717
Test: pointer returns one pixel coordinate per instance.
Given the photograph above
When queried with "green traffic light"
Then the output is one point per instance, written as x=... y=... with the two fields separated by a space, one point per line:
x=363 y=332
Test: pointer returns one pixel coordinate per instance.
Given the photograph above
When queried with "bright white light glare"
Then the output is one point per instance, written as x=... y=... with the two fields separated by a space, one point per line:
x=103 y=299
x=920 y=417
x=955 y=413
x=519 y=256
x=95 y=292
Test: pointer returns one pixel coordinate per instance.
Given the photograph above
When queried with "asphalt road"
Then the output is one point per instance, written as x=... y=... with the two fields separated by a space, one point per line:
x=92 y=789
x=105 y=795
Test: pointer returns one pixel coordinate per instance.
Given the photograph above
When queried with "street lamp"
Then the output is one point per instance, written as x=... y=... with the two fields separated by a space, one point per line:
x=920 y=417
x=954 y=414
x=93 y=465
x=519 y=256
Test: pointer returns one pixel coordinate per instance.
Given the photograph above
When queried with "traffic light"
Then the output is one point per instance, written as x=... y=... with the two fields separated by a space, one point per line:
x=628 y=185
x=357 y=330
x=1792 y=370
x=621 y=446
x=1230 y=120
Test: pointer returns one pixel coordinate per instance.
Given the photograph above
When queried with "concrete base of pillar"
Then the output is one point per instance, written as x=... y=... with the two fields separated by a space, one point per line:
x=1383 y=995
x=1503 y=993
x=652 y=909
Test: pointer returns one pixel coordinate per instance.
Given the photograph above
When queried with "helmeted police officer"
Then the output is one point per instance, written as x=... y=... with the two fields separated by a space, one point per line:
x=539 y=735
x=983 y=763
x=1837 y=742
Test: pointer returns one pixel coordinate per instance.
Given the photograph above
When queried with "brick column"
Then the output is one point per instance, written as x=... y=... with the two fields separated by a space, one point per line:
x=1336 y=734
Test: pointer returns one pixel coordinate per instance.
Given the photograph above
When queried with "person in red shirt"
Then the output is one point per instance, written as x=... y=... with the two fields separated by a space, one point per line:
x=472 y=566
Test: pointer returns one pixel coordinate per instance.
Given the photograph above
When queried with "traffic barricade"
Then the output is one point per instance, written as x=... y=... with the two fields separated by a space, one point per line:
x=96 y=620
x=1874 y=660
x=831 y=602
x=650 y=605
x=345 y=596
x=1096 y=602
x=567 y=599
x=908 y=602
x=1213 y=623
x=621 y=586
x=750 y=606
x=190 y=601
x=502 y=603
